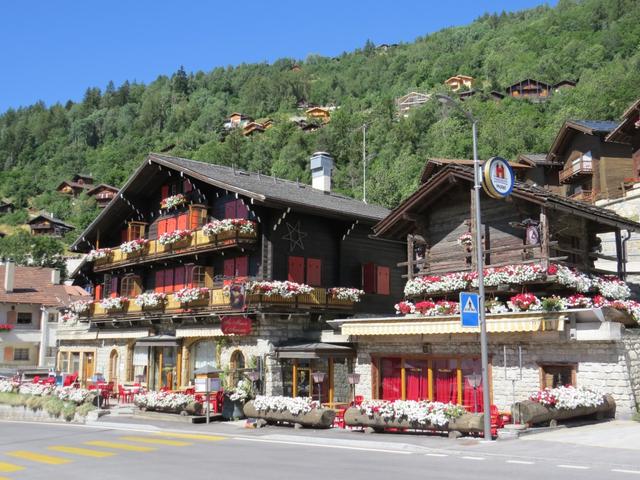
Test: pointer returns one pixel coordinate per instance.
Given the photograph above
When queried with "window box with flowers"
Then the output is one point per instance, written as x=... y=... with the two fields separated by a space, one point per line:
x=192 y=296
x=229 y=227
x=344 y=294
x=286 y=289
x=99 y=255
x=114 y=304
x=81 y=307
x=6 y=327
x=69 y=318
x=298 y=410
x=173 y=201
x=175 y=239
x=136 y=246
x=151 y=300
x=466 y=241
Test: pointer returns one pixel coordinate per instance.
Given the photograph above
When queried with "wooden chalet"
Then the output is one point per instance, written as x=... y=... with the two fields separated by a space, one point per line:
x=44 y=224
x=6 y=207
x=592 y=168
x=284 y=232
x=457 y=82
x=318 y=113
x=427 y=355
x=564 y=85
x=496 y=95
x=542 y=172
x=251 y=128
x=463 y=95
x=409 y=101
x=530 y=89
x=77 y=185
x=628 y=132
x=103 y=194
x=237 y=120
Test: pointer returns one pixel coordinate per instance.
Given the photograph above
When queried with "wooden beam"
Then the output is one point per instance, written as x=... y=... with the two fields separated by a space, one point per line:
x=619 y=254
x=544 y=238
x=410 y=256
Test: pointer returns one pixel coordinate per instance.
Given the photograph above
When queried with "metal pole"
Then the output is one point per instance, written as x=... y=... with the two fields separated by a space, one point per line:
x=480 y=271
x=364 y=163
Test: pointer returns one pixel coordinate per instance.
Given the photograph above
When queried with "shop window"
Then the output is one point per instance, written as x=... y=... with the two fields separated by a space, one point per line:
x=376 y=279
x=75 y=362
x=64 y=362
x=237 y=365
x=24 y=318
x=203 y=353
x=552 y=376
x=390 y=378
x=20 y=354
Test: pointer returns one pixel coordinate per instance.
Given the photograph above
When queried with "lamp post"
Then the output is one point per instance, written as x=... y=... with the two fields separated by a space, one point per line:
x=477 y=185
x=318 y=377
x=353 y=379
x=253 y=376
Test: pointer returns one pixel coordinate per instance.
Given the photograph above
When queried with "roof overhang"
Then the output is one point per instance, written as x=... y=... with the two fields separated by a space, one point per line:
x=314 y=350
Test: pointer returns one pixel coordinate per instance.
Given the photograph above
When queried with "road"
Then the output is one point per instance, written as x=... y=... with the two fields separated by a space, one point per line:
x=58 y=451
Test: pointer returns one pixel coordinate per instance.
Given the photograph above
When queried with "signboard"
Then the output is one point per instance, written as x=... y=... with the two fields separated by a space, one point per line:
x=469 y=311
x=498 y=177
x=213 y=384
x=235 y=325
x=204 y=385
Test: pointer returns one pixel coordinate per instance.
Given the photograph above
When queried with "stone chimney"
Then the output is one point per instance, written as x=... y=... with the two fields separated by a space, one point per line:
x=9 y=276
x=55 y=276
x=321 y=169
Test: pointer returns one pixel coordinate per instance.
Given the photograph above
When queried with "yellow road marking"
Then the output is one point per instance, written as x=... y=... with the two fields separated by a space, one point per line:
x=120 y=446
x=157 y=441
x=9 y=467
x=38 y=457
x=85 y=452
x=191 y=436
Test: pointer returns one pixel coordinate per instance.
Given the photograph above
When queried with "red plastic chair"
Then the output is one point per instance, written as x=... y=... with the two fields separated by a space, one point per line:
x=338 y=421
x=124 y=396
x=357 y=401
x=218 y=400
x=36 y=379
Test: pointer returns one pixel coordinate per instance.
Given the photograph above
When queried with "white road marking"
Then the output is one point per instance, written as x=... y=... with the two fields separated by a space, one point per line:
x=323 y=445
x=473 y=458
x=621 y=470
x=575 y=467
x=521 y=462
x=437 y=455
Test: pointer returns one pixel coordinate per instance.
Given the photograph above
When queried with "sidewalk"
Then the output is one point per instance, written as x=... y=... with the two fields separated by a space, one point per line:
x=623 y=434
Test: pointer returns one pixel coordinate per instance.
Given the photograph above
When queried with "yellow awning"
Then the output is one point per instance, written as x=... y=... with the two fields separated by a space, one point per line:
x=199 y=332
x=515 y=323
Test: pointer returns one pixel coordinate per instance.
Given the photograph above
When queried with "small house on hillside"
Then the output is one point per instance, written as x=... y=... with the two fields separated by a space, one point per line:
x=463 y=95
x=457 y=82
x=564 y=85
x=628 y=131
x=103 y=194
x=251 y=128
x=44 y=224
x=77 y=185
x=542 y=172
x=237 y=120
x=411 y=100
x=530 y=89
x=6 y=207
x=319 y=113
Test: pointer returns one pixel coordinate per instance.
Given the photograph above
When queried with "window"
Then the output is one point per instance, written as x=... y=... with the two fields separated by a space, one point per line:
x=75 y=362
x=296 y=269
x=236 y=209
x=52 y=318
x=129 y=286
x=314 y=272
x=198 y=276
x=236 y=267
x=106 y=286
x=24 y=318
x=552 y=376
x=376 y=279
x=20 y=354
x=237 y=366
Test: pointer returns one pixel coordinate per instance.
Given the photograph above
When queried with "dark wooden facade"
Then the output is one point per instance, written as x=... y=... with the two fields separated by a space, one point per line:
x=530 y=89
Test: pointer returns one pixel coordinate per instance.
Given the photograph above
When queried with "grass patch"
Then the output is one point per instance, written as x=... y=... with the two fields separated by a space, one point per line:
x=54 y=407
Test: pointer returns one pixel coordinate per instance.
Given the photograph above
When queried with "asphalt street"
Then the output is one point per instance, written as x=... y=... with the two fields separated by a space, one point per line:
x=129 y=451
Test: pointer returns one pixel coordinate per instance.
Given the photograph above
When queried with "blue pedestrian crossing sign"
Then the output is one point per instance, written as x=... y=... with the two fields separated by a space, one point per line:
x=469 y=312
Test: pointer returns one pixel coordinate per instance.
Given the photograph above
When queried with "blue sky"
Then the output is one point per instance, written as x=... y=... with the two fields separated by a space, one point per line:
x=54 y=50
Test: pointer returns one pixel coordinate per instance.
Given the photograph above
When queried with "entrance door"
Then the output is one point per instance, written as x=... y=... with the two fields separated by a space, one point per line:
x=163 y=370
x=114 y=364
x=88 y=366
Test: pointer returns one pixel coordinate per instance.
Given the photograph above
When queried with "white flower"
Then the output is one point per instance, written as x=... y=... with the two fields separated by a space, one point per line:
x=246 y=227
x=98 y=254
x=134 y=245
x=80 y=306
x=344 y=293
x=173 y=201
x=285 y=289
x=296 y=406
x=187 y=295
x=113 y=303
x=150 y=299
x=163 y=400
x=422 y=412
x=169 y=238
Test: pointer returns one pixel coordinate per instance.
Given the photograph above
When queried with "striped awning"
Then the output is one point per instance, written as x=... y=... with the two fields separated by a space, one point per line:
x=451 y=325
x=199 y=332
x=69 y=334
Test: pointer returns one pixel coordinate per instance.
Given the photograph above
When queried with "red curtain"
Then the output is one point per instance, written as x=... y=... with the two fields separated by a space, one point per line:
x=416 y=374
x=446 y=386
x=391 y=379
x=472 y=404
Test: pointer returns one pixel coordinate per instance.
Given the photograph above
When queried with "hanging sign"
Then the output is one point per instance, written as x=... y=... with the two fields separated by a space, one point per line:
x=235 y=325
x=498 y=177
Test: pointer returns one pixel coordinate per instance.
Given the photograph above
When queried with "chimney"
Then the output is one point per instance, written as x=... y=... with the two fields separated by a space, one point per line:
x=55 y=276
x=321 y=169
x=9 y=276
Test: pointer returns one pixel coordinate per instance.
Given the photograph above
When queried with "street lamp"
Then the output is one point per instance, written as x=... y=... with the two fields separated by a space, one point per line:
x=318 y=377
x=477 y=185
x=253 y=376
x=353 y=379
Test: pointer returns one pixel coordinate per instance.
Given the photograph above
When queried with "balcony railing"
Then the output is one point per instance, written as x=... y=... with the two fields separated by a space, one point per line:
x=583 y=196
x=198 y=242
x=219 y=301
x=576 y=169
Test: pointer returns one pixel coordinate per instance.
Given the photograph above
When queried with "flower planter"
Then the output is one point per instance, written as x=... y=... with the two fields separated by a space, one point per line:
x=533 y=413
x=316 y=418
x=232 y=410
x=467 y=423
x=193 y=408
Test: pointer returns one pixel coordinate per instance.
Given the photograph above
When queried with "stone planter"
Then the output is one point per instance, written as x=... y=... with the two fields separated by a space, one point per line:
x=467 y=423
x=232 y=410
x=316 y=418
x=194 y=408
x=532 y=413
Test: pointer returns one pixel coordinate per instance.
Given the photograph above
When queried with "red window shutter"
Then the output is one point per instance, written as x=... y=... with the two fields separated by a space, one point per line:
x=186 y=186
x=171 y=224
x=179 y=278
x=124 y=235
x=382 y=286
x=114 y=286
x=159 y=281
x=12 y=316
x=230 y=209
x=195 y=219
x=97 y=292
x=183 y=221
x=164 y=192
x=241 y=209
x=242 y=266
x=168 y=281
x=162 y=227
x=8 y=354
x=314 y=272
x=369 y=278
x=229 y=267
x=188 y=276
x=296 y=269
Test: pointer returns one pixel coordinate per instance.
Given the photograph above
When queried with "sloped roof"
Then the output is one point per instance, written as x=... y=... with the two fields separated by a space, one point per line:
x=51 y=219
x=626 y=129
x=33 y=285
x=589 y=127
x=523 y=190
x=535 y=159
x=433 y=163
x=530 y=80
x=103 y=185
x=73 y=184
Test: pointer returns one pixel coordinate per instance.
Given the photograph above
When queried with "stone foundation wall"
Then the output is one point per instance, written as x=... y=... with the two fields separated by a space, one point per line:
x=610 y=367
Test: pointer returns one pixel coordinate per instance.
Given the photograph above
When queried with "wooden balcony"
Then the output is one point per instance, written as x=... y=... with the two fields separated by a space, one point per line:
x=583 y=196
x=581 y=168
x=154 y=251
x=218 y=302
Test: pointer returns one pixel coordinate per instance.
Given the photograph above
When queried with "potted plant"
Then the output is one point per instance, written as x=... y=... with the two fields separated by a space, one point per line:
x=6 y=327
x=114 y=304
x=81 y=307
x=98 y=254
x=230 y=226
x=175 y=238
x=191 y=296
x=134 y=246
x=234 y=400
x=173 y=201
x=151 y=300
x=346 y=294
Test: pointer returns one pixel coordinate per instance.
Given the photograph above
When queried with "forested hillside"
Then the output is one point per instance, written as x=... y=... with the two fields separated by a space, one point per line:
x=112 y=129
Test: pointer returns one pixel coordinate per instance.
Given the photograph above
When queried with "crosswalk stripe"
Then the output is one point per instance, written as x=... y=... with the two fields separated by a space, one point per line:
x=9 y=467
x=192 y=436
x=119 y=446
x=38 y=457
x=157 y=441
x=84 y=452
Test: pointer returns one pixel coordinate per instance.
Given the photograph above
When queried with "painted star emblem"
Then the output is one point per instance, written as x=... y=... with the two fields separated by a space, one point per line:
x=295 y=236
